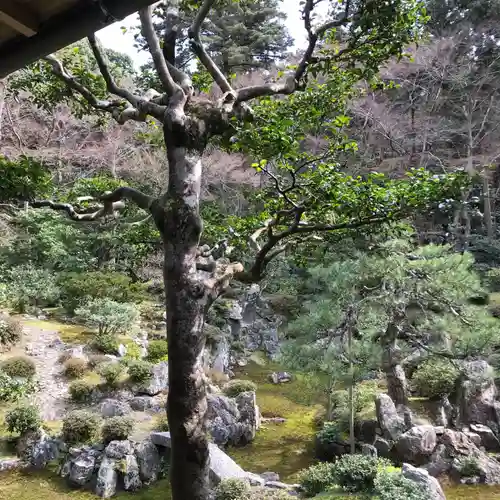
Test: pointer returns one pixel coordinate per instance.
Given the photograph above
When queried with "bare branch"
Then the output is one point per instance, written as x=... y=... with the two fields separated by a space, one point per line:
x=146 y=17
x=112 y=202
x=201 y=53
x=116 y=107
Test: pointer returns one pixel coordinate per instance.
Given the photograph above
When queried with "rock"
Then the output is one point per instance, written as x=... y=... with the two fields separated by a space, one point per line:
x=220 y=362
x=369 y=450
x=473 y=437
x=131 y=476
x=422 y=477
x=417 y=444
x=81 y=469
x=476 y=396
x=75 y=352
x=457 y=443
x=221 y=465
x=383 y=447
x=389 y=421
x=222 y=418
x=280 y=377
x=11 y=464
x=114 y=408
x=143 y=403
x=439 y=462
x=107 y=478
x=366 y=431
x=270 y=476
x=249 y=422
x=122 y=350
x=38 y=448
x=158 y=381
x=148 y=460
x=255 y=479
x=488 y=439
x=118 y=449
x=278 y=485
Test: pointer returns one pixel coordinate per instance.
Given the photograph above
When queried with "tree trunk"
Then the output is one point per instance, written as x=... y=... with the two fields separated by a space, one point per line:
x=395 y=375
x=352 y=440
x=487 y=206
x=186 y=300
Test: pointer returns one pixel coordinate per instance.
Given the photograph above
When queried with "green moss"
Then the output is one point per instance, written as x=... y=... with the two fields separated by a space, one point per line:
x=464 y=492
x=283 y=448
x=69 y=334
x=46 y=486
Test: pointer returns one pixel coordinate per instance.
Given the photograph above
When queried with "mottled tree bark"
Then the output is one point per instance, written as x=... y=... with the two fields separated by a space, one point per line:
x=397 y=387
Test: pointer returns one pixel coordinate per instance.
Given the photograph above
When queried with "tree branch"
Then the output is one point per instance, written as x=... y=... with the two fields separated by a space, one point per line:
x=201 y=53
x=146 y=17
x=113 y=202
x=116 y=107
x=292 y=82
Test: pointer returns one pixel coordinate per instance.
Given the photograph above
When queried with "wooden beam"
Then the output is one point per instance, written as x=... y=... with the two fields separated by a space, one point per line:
x=17 y=18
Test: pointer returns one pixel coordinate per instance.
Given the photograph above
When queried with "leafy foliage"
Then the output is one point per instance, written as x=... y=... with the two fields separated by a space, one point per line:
x=74 y=367
x=11 y=331
x=23 y=419
x=14 y=389
x=19 y=366
x=80 y=426
x=139 y=371
x=435 y=378
x=469 y=467
x=317 y=478
x=394 y=486
x=81 y=391
x=236 y=386
x=232 y=489
x=105 y=343
x=117 y=429
x=110 y=372
x=157 y=351
x=23 y=179
x=108 y=316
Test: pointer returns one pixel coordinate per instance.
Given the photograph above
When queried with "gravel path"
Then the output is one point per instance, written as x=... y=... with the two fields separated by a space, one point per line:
x=44 y=347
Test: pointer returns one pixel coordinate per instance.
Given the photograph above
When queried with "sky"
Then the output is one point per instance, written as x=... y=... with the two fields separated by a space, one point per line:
x=113 y=38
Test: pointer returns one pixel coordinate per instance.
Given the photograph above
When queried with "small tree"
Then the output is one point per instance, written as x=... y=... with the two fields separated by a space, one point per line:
x=108 y=316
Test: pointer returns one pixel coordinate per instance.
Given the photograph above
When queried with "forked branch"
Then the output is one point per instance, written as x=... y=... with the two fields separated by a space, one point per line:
x=200 y=51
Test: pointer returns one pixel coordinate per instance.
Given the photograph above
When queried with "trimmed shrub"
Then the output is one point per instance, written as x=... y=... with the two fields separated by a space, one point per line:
x=64 y=356
x=81 y=391
x=435 y=378
x=469 y=467
x=13 y=389
x=117 y=429
x=139 y=371
x=107 y=344
x=162 y=424
x=11 y=331
x=78 y=287
x=110 y=372
x=23 y=419
x=96 y=359
x=394 y=486
x=232 y=489
x=133 y=352
x=356 y=473
x=237 y=386
x=157 y=351
x=74 y=367
x=19 y=366
x=80 y=426
x=317 y=478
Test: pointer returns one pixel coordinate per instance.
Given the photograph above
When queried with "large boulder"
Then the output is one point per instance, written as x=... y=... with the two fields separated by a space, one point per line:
x=158 y=381
x=148 y=460
x=232 y=421
x=82 y=468
x=417 y=444
x=107 y=478
x=38 y=448
x=114 y=408
x=422 y=477
x=131 y=475
x=476 y=395
x=221 y=465
x=118 y=449
x=391 y=424
x=487 y=437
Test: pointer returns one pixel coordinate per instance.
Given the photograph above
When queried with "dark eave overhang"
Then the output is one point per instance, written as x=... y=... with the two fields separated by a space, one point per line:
x=72 y=25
